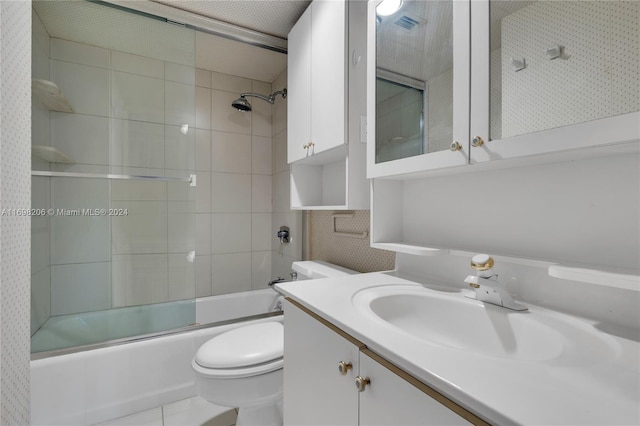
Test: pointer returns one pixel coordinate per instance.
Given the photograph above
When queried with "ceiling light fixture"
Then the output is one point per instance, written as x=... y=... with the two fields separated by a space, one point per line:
x=388 y=7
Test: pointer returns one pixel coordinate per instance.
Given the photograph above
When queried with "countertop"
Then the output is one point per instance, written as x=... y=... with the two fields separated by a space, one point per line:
x=587 y=390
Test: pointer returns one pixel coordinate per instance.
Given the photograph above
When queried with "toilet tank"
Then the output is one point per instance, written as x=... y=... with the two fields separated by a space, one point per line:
x=312 y=269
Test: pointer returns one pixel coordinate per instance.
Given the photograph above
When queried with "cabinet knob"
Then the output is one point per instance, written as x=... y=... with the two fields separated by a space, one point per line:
x=344 y=367
x=362 y=382
x=455 y=146
x=477 y=141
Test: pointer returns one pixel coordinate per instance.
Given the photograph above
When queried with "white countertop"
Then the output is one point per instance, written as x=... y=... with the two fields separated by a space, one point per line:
x=586 y=390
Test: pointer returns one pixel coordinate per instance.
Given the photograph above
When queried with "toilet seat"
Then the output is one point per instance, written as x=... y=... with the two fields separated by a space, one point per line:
x=242 y=352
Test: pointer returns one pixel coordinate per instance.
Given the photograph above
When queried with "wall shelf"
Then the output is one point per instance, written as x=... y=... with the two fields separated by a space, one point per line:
x=50 y=95
x=50 y=154
x=626 y=280
x=414 y=249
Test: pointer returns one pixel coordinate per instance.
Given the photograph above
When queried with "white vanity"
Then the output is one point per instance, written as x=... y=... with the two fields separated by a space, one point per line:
x=381 y=349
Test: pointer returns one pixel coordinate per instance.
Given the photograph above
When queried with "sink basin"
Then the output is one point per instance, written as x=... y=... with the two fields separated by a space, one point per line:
x=456 y=322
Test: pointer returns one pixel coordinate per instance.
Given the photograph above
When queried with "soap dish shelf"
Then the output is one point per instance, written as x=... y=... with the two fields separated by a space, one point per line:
x=50 y=95
x=50 y=154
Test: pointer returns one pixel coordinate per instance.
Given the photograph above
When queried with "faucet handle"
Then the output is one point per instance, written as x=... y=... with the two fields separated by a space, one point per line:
x=482 y=262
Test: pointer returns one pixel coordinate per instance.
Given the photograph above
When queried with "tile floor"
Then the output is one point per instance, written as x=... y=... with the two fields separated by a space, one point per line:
x=188 y=412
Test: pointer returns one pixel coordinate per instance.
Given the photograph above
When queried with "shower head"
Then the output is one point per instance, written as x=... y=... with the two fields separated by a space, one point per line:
x=241 y=104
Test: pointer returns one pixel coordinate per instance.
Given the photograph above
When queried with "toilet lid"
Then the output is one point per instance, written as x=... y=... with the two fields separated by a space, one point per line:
x=243 y=346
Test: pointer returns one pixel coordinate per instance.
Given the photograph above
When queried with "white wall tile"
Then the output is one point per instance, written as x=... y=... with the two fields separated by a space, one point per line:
x=203 y=275
x=280 y=153
x=180 y=103
x=181 y=227
x=203 y=78
x=230 y=233
x=182 y=284
x=76 y=239
x=262 y=231
x=261 y=155
x=80 y=287
x=230 y=152
x=143 y=230
x=83 y=138
x=203 y=150
x=86 y=88
x=261 y=113
x=203 y=193
x=261 y=270
x=40 y=225
x=136 y=64
x=225 y=118
x=260 y=194
x=230 y=83
x=281 y=194
x=79 y=53
x=230 y=273
x=136 y=97
x=137 y=144
x=40 y=298
x=139 y=279
x=230 y=193
x=180 y=73
x=203 y=108
x=180 y=149
x=203 y=233
x=138 y=190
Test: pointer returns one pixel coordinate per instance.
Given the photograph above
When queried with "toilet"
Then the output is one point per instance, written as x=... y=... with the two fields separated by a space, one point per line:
x=242 y=367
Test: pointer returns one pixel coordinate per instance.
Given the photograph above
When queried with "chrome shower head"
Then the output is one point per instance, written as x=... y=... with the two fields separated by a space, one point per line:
x=241 y=104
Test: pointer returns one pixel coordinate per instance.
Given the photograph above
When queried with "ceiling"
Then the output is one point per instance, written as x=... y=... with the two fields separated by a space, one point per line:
x=261 y=22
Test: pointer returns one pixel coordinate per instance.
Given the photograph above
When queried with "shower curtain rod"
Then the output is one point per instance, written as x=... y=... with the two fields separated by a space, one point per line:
x=191 y=178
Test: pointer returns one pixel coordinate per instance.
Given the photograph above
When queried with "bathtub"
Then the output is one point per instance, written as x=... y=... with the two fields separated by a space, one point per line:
x=93 y=386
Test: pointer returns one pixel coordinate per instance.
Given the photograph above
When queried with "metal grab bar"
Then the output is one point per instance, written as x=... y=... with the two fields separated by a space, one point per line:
x=191 y=178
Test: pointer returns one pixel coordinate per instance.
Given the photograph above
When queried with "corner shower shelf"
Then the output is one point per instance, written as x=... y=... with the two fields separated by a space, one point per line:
x=50 y=154
x=50 y=95
x=627 y=280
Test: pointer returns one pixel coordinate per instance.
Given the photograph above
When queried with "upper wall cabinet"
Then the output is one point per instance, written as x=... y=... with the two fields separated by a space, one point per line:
x=326 y=106
x=496 y=80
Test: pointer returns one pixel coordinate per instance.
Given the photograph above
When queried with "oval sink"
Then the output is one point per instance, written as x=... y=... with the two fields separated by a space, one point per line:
x=453 y=321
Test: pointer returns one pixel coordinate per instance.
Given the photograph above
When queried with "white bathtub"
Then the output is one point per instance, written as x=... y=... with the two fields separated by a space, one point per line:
x=93 y=386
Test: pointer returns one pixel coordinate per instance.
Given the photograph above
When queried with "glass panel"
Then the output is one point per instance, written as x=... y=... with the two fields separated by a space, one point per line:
x=414 y=93
x=555 y=63
x=112 y=258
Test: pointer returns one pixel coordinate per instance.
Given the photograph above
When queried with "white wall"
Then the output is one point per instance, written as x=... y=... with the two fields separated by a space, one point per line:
x=15 y=193
x=583 y=211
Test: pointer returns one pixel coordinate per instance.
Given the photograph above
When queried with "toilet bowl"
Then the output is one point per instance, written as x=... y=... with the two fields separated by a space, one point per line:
x=243 y=367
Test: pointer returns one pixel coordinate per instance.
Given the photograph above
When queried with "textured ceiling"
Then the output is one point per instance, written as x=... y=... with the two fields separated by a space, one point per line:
x=273 y=17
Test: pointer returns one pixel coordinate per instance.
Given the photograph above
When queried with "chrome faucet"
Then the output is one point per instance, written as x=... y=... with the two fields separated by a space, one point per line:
x=487 y=287
x=277 y=280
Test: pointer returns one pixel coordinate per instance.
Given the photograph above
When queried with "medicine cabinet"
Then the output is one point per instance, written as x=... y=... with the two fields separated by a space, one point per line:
x=499 y=80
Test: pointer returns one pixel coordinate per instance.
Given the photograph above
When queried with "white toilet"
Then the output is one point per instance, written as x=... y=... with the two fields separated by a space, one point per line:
x=243 y=367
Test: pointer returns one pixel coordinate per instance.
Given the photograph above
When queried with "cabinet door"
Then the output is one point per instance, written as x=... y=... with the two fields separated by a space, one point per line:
x=328 y=72
x=551 y=76
x=299 y=88
x=418 y=87
x=391 y=401
x=315 y=393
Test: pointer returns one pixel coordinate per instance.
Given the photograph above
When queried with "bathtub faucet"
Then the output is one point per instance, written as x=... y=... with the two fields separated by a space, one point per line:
x=277 y=280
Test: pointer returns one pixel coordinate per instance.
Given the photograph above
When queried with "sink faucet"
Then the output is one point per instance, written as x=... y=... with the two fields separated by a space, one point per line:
x=486 y=285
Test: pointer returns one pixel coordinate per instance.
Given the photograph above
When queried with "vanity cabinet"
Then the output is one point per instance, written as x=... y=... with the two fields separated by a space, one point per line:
x=317 y=393
x=326 y=108
x=501 y=80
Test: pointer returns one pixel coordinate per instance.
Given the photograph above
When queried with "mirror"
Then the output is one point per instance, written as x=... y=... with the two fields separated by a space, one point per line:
x=557 y=63
x=414 y=82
